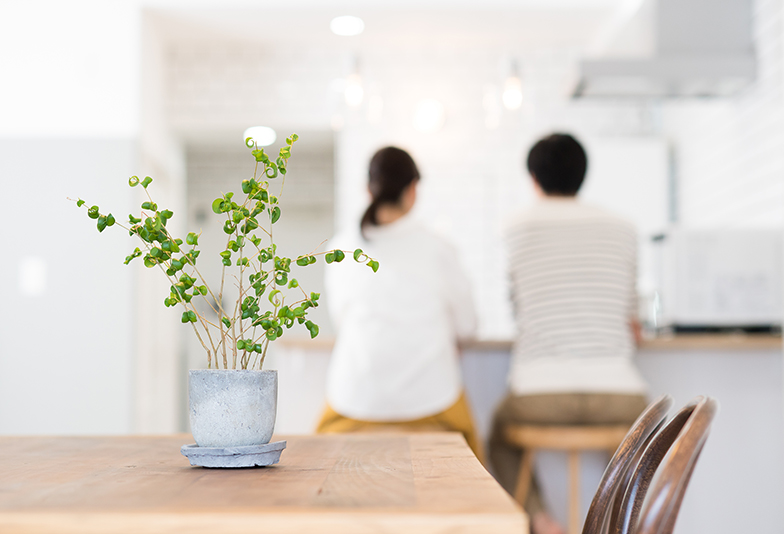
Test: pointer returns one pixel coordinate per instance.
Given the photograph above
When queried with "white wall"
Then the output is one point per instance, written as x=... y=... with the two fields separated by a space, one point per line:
x=70 y=69
x=66 y=352
x=730 y=153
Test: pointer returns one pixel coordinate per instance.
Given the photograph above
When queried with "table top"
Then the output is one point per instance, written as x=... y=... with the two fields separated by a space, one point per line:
x=326 y=483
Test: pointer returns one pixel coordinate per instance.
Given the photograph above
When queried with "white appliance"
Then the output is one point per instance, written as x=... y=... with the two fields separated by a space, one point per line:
x=718 y=279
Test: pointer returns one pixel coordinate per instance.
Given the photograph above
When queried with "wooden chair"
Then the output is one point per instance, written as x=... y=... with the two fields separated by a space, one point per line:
x=605 y=507
x=674 y=451
x=578 y=438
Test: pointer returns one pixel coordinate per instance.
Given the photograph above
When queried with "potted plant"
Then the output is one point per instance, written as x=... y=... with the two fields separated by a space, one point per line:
x=232 y=402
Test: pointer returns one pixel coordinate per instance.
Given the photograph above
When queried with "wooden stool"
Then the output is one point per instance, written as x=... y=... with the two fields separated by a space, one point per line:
x=573 y=440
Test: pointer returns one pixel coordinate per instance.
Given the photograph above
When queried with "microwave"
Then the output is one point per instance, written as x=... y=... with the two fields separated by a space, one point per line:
x=717 y=279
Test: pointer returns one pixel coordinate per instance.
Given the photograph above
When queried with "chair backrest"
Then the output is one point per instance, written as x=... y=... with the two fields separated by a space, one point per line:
x=605 y=506
x=676 y=449
x=667 y=494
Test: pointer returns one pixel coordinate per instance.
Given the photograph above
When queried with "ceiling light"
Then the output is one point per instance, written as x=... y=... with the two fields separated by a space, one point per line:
x=354 y=92
x=513 y=93
x=262 y=135
x=429 y=116
x=347 y=26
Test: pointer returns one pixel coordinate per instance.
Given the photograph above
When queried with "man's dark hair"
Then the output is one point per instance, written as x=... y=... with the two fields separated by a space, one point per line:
x=558 y=163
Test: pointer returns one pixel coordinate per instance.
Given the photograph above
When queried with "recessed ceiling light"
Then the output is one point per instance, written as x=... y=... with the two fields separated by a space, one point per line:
x=347 y=25
x=262 y=135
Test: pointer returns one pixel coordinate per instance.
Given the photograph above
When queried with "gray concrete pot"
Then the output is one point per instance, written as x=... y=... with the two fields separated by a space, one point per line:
x=232 y=408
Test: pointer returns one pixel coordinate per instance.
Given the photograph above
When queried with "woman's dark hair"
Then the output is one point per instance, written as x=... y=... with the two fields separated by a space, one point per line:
x=558 y=163
x=391 y=171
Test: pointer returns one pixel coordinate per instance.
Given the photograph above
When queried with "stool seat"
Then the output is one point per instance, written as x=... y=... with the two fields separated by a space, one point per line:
x=570 y=438
x=567 y=438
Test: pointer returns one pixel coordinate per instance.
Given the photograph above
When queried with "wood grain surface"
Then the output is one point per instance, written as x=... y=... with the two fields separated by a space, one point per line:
x=413 y=483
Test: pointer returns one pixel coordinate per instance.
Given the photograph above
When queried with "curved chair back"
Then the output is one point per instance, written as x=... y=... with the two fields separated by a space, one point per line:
x=676 y=448
x=667 y=494
x=605 y=506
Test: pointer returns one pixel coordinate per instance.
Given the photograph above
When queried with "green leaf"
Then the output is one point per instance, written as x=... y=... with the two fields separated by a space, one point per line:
x=135 y=254
x=216 y=205
x=225 y=254
x=249 y=142
x=133 y=220
x=275 y=214
x=167 y=214
x=110 y=220
x=373 y=264
x=339 y=255
x=79 y=203
x=192 y=239
x=152 y=206
x=93 y=212
x=186 y=318
x=133 y=181
x=293 y=283
x=246 y=186
x=155 y=252
x=240 y=344
x=202 y=290
x=281 y=278
x=191 y=314
x=226 y=262
x=101 y=223
x=274 y=170
x=313 y=328
x=272 y=296
x=329 y=257
x=147 y=181
x=228 y=227
x=357 y=254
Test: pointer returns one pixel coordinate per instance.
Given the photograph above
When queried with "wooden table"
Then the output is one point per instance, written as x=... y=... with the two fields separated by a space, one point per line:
x=349 y=483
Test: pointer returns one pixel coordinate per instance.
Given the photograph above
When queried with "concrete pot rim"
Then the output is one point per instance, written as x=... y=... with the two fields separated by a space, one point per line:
x=232 y=370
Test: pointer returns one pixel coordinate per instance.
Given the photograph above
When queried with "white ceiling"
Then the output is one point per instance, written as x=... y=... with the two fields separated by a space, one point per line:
x=521 y=24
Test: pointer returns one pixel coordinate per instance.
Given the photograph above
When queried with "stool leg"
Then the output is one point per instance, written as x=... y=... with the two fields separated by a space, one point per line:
x=524 y=476
x=574 y=492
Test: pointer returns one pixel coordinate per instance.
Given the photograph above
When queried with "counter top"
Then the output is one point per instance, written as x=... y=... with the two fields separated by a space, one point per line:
x=668 y=342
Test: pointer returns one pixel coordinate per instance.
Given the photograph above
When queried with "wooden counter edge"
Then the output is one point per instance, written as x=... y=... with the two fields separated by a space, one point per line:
x=664 y=343
x=296 y=521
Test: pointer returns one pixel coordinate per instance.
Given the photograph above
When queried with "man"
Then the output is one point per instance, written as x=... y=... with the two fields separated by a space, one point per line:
x=573 y=275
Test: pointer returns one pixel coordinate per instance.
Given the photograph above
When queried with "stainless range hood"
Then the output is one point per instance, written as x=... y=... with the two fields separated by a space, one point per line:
x=699 y=48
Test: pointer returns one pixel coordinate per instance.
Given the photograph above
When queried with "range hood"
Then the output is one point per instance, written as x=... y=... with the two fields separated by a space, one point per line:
x=693 y=48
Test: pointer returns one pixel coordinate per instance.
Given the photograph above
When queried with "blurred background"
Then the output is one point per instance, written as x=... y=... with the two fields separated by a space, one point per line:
x=680 y=104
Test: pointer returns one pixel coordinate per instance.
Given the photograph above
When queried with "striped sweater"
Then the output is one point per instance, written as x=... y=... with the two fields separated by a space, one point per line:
x=573 y=274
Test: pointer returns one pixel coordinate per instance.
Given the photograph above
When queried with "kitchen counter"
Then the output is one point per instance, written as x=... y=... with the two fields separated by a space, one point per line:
x=730 y=341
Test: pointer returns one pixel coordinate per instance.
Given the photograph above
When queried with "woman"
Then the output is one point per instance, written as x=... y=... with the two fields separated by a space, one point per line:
x=395 y=361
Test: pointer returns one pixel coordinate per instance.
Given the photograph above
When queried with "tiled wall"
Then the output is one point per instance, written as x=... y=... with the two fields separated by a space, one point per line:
x=730 y=154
